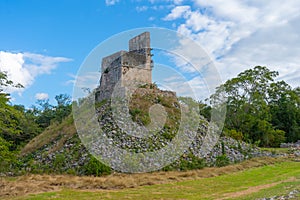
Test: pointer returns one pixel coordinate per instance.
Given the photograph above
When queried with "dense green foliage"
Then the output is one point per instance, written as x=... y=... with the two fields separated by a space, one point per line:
x=19 y=125
x=95 y=167
x=259 y=109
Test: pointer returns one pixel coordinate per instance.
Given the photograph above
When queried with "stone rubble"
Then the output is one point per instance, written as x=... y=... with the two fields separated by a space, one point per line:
x=291 y=195
x=290 y=145
x=76 y=155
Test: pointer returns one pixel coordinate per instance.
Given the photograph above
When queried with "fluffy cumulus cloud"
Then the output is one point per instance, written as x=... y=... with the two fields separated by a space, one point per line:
x=177 y=12
x=238 y=35
x=41 y=96
x=23 y=68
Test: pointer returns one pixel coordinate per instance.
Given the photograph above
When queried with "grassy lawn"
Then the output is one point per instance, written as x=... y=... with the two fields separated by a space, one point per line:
x=280 y=189
x=265 y=181
x=276 y=150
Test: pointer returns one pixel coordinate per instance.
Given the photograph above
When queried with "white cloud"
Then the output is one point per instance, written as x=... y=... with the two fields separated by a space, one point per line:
x=195 y=87
x=190 y=57
x=84 y=83
x=161 y=7
x=178 y=2
x=23 y=68
x=233 y=10
x=111 y=2
x=177 y=12
x=176 y=83
x=238 y=34
x=141 y=8
x=151 y=18
x=85 y=80
x=41 y=96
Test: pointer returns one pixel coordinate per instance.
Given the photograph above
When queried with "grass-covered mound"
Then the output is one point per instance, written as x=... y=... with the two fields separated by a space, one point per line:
x=59 y=149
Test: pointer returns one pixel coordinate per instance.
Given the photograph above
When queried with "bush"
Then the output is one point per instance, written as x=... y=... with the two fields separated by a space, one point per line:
x=7 y=157
x=134 y=113
x=237 y=135
x=194 y=163
x=101 y=103
x=222 y=160
x=278 y=138
x=59 y=162
x=96 y=168
x=186 y=162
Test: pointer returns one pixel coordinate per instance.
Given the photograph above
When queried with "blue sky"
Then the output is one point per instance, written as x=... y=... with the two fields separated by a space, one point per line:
x=44 y=43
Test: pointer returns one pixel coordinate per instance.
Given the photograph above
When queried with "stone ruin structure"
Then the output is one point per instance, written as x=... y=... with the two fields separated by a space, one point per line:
x=125 y=68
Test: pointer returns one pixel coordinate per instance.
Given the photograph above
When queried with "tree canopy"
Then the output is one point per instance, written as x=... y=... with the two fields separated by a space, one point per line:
x=18 y=125
x=259 y=108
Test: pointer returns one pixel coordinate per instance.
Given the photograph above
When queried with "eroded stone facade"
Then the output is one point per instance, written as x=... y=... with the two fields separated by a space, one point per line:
x=126 y=68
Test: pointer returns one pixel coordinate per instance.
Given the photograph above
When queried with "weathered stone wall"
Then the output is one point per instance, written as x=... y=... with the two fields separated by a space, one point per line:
x=111 y=74
x=135 y=76
x=133 y=59
x=133 y=67
x=139 y=42
x=112 y=60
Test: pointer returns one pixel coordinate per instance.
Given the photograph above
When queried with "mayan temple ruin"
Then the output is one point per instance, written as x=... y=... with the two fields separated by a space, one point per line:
x=125 y=68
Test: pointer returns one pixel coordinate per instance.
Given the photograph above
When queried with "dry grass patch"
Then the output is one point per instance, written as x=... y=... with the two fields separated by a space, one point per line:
x=65 y=130
x=42 y=183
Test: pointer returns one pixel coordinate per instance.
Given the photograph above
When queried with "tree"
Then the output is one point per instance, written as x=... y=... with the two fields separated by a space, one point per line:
x=45 y=113
x=249 y=96
x=63 y=100
x=63 y=108
x=205 y=110
x=16 y=125
x=9 y=117
x=5 y=82
x=285 y=111
x=19 y=125
x=7 y=157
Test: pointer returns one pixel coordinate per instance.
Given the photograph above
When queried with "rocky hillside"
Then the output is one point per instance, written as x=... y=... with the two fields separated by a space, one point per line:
x=59 y=149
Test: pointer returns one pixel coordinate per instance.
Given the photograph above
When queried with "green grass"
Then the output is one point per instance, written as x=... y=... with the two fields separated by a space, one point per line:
x=281 y=189
x=206 y=188
x=276 y=150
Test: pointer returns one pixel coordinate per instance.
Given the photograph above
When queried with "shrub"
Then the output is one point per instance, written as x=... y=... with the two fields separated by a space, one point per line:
x=193 y=163
x=222 y=160
x=7 y=157
x=186 y=162
x=237 y=135
x=134 y=113
x=153 y=86
x=101 y=103
x=144 y=85
x=59 y=162
x=96 y=168
x=278 y=138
